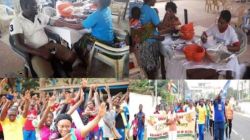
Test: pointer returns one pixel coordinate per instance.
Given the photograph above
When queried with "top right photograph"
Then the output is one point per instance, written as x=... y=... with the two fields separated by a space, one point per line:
x=191 y=39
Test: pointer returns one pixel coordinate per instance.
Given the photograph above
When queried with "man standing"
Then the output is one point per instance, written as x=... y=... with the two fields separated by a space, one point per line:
x=201 y=110
x=219 y=118
x=141 y=123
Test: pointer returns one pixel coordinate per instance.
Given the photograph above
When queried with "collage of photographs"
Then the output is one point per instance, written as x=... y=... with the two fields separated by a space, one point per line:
x=124 y=69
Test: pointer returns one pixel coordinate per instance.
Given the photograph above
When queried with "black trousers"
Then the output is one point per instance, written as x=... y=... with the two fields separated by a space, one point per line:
x=229 y=128
x=211 y=127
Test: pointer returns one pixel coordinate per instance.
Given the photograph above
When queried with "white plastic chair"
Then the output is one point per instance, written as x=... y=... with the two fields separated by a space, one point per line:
x=243 y=40
x=51 y=12
x=119 y=8
x=6 y=15
x=114 y=57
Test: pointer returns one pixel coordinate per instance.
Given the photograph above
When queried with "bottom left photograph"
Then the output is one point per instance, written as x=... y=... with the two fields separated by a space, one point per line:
x=64 y=108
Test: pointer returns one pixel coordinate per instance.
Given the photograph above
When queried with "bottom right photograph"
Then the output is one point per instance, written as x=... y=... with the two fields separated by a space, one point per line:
x=189 y=109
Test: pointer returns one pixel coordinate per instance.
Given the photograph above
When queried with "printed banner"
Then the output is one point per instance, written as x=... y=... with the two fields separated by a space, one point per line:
x=157 y=127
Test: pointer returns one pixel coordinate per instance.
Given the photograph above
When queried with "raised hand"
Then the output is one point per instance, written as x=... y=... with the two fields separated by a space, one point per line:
x=107 y=89
x=84 y=83
x=52 y=100
x=27 y=95
x=66 y=137
x=102 y=110
x=4 y=81
x=93 y=87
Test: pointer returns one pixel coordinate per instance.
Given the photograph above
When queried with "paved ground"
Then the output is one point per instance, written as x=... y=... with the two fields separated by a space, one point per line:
x=240 y=129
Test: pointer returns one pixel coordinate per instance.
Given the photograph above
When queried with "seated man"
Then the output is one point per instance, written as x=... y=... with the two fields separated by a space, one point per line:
x=223 y=32
x=27 y=31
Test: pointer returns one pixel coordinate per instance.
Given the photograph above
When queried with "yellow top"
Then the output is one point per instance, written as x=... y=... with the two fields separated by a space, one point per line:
x=13 y=130
x=202 y=114
x=229 y=112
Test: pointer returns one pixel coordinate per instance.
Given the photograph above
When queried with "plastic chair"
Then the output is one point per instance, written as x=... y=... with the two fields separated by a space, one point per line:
x=237 y=15
x=27 y=57
x=6 y=15
x=51 y=12
x=118 y=8
x=56 y=64
x=114 y=57
x=243 y=40
x=246 y=22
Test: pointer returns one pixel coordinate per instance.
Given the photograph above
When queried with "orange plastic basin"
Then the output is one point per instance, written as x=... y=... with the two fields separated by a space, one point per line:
x=187 y=31
x=65 y=9
x=194 y=52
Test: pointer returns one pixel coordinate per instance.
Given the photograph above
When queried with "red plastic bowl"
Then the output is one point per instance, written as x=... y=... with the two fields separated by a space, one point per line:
x=194 y=52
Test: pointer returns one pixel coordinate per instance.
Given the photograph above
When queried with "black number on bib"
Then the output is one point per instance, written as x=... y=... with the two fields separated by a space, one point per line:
x=11 y=28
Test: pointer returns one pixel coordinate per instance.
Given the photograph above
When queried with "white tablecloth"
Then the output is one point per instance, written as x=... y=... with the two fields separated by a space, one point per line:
x=176 y=63
x=69 y=35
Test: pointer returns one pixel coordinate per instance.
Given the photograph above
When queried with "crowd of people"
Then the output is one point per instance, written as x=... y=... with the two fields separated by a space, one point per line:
x=48 y=115
x=212 y=116
x=147 y=29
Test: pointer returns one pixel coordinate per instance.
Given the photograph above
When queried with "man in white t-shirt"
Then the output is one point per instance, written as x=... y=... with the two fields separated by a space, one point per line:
x=27 y=31
x=223 y=32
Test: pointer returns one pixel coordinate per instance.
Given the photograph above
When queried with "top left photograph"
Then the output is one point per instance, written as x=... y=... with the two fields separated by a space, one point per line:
x=64 y=38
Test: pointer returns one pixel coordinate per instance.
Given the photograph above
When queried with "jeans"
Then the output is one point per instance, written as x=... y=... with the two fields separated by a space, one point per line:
x=92 y=135
x=207 y=123
x=219 y=130
x=140 y=134
x=122 y=133
x=201 y=131
x=29 y=134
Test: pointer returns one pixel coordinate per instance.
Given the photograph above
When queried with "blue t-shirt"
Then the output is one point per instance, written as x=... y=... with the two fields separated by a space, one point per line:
x=219 y=111
x=100 y=22
x=149 y=15
x=140 y=121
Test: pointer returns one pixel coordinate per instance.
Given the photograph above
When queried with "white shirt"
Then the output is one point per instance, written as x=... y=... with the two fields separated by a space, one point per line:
x=34 y=34
x=228 y=37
